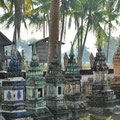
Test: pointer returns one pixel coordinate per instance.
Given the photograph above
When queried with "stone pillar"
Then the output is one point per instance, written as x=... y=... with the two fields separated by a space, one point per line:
x=1 y=116
x=115 y=84
x=116 y=63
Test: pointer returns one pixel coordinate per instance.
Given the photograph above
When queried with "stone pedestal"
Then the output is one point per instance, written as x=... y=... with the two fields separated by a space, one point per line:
x=13 y=106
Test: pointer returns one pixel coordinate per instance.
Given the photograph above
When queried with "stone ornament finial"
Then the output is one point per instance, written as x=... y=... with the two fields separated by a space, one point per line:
x=55 y=55
x=91 y=60
x=65 y=59
x=13 y=48
x=99 y=44
x=100 y=60
x=34 y=55
x=72 y=50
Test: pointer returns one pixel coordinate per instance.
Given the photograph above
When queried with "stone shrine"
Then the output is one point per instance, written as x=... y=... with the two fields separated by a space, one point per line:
x=1 y=116
x=13 y=106
x=13 y=92
x=55 y=89
x=115 y=84
x=73 y=88
x=35 y=91
x=102 y=98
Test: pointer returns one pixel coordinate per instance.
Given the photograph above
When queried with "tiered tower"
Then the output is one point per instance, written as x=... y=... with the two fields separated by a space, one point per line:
x=115 y=84
x=102 y=97
x=55 y=89
x=35 y=91
x=73 y=87
x=1 y=116
x=13 y=106
x=116 y=64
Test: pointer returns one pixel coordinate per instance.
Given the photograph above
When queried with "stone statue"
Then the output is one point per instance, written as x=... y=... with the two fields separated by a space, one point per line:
x=65 y=59
x=91 y=60
x=79 y=61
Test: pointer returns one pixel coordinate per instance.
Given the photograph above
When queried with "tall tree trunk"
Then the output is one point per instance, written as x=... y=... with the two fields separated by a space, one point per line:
x=54 y=28
x=83 y=46
x=81 y=41
x=17 y=22
x=62 y=30
x=44 y=26
x=108 y=42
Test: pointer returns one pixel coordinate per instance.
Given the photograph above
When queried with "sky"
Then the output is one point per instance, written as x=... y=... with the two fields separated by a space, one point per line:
x=70 y=34
x=32 y=33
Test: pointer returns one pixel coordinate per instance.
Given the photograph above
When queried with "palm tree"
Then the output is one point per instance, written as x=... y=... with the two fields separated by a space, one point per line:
x=91 y=19
x=54 y=28
x=14 y=15
x=40 y=15
x=111 y=15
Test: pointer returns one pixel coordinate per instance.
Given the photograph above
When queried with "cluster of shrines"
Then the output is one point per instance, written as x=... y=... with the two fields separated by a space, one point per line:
x=32 y=95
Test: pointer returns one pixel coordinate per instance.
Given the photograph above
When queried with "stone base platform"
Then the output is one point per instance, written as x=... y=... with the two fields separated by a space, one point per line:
x=41 y=114
x=108 y=110
x=1 y=117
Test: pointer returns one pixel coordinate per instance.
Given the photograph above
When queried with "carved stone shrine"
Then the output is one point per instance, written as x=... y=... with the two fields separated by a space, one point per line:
x=55 y=89
x=13 y=106
x=115 y=84
x=102 y=98
x=35 y=91
x=73 y=88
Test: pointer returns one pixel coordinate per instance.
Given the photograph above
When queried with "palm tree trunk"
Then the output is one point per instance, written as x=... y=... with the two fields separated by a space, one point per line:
x=18 y=16
x=54 y=28
x=108 y=42
x=81 y=41
x=61 y=36
x=86 y=33
x=44 y=26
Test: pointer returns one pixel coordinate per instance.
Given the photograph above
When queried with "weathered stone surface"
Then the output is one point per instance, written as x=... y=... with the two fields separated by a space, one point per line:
x=115 y=83
x=13 y=87
x=73 y=88
x=55 y=90
x=101 y=97
x=35 y=91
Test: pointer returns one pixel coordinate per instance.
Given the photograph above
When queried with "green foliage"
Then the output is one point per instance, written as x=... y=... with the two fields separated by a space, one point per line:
x=113 y=47
x=95 y=15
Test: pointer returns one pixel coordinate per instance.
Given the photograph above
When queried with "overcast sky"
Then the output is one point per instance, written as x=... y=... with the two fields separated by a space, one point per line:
x=31 y=33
